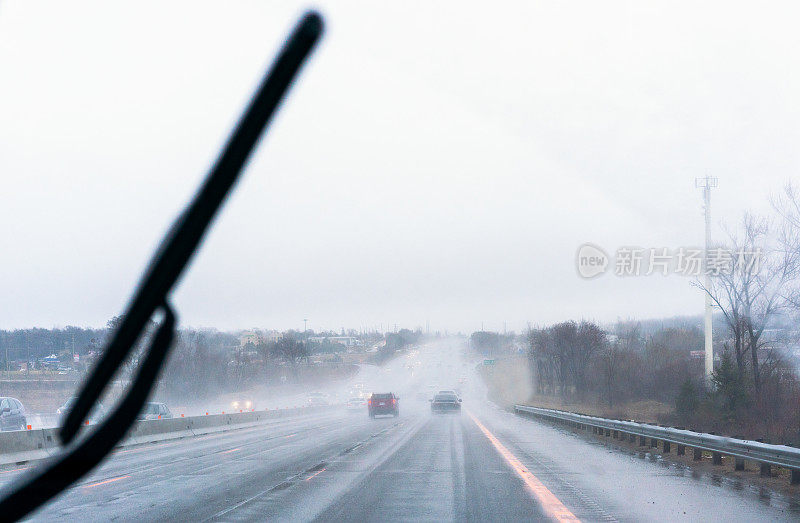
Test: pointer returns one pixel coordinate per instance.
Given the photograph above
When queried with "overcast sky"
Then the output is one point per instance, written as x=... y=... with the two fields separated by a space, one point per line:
x=435 y=163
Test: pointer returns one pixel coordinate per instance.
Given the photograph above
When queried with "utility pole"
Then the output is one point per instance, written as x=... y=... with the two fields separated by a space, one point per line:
x=707 y=183
x=305 y=325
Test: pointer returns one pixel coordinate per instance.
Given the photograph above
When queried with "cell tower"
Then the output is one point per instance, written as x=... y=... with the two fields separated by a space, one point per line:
x=707 y=183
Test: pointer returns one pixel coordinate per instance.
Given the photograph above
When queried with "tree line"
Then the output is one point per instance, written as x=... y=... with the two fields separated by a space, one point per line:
x=580 y=361
x=754 y=389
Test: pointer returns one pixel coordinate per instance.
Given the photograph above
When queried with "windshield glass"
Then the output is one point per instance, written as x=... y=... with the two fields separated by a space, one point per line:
x=560 y=240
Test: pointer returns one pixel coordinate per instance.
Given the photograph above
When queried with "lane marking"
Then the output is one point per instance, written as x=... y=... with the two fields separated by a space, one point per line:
x=314 y=475
x=247 y=433
x=13 y=470
x=148 y=446
x=289 y=481
x=232 y=450
x=106 y=481
x=551 y=505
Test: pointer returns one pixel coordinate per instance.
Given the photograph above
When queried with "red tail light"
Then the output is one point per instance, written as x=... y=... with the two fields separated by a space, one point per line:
x=369 y=402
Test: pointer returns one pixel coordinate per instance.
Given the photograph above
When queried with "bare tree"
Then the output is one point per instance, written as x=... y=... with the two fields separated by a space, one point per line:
x=751 y=293
x=609 y=364
x=787 y=205
x=726 y=291
x=291 y=351
x=540 y=354
x=589 y=340
x=562 y=355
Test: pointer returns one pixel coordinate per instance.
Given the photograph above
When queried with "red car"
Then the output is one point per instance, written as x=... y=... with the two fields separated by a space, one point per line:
x=385 y=403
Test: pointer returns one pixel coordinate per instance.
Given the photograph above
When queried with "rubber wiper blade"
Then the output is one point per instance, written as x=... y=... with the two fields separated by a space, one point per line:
x=182 y=240
x=152 y=294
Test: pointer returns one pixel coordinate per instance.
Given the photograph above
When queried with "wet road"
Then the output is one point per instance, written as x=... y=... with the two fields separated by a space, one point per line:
x=482 y=465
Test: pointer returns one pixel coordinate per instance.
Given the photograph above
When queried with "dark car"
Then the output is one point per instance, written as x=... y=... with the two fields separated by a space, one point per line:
x=383 y=404
x=445 y=402
x=12 y=414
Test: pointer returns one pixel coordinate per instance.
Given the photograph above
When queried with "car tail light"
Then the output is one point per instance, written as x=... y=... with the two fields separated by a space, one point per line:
x=394 y=401
x=369 y=402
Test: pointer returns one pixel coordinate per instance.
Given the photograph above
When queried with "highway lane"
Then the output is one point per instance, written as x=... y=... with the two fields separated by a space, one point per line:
x=447 y=471
x=485 y=464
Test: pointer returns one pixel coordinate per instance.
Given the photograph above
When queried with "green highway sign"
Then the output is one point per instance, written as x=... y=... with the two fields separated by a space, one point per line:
x=488 y=362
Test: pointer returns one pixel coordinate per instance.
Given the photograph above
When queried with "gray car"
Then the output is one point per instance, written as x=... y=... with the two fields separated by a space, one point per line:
x=445 y=401
x=97 y=414
x=12 y=414
x=154 y=410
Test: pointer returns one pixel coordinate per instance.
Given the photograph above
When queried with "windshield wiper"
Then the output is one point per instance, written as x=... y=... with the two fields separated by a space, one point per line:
x=169 y=261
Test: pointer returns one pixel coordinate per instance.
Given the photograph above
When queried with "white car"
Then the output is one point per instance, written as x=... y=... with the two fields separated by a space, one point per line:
x=317 y=399
x=242 y=405
x=356 y=404
x=153 y=410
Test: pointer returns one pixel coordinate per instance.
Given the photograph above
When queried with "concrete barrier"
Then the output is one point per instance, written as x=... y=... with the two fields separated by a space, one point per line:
x=20 y=446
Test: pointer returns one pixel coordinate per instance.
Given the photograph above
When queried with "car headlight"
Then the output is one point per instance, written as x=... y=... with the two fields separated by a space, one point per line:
x=248 y=404
x=235 y=404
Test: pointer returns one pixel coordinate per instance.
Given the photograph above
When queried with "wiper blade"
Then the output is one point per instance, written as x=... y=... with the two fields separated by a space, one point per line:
x=152 y=294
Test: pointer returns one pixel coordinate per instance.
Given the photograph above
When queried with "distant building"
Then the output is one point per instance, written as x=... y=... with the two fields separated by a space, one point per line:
x=248 y=337
x=346 y=341
x=272 y=336
x=256 y=337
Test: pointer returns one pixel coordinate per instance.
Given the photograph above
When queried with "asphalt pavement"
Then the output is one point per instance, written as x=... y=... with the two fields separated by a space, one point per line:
x=484 y=464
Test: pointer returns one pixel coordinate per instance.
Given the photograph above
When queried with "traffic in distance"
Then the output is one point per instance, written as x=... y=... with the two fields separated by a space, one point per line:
x=375 y=451
x=446 y=261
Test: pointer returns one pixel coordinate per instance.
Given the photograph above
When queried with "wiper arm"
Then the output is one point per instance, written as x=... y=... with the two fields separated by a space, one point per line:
x=151 y=296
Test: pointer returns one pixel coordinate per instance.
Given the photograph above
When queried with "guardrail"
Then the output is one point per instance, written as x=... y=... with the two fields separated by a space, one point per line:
x=21 y=446
x=765 y=454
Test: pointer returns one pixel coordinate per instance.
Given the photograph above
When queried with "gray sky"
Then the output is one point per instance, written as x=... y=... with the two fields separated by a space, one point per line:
x=435 y=162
